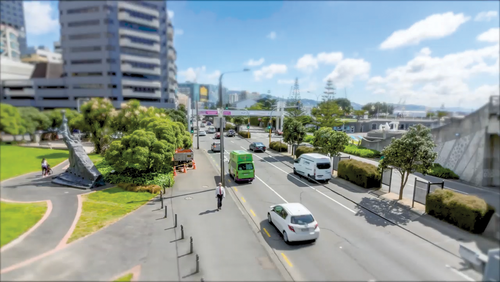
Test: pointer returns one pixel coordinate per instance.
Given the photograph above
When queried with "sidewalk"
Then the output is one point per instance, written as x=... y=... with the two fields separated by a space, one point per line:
x=228 y=248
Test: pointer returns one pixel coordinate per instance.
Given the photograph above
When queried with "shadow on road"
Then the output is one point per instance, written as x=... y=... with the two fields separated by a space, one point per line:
x=207 y=212
x=386 y=209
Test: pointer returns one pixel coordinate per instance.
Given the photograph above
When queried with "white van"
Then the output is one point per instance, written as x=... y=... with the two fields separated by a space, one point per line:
x=313 y=166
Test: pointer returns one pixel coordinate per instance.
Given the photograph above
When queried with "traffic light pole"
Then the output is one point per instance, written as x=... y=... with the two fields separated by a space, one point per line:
x=197 y=127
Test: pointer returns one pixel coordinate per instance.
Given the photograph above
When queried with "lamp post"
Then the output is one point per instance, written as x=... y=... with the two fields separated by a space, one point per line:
x=221 y=116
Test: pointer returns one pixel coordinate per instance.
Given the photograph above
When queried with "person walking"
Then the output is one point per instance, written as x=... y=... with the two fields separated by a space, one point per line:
x=220 y=193
x=44 y=167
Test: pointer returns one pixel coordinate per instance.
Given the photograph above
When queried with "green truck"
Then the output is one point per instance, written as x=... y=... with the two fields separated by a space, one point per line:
x=241 y=167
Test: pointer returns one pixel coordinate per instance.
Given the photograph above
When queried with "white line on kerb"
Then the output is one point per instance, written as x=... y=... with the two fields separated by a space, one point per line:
x=323 y=194
x=459 y=273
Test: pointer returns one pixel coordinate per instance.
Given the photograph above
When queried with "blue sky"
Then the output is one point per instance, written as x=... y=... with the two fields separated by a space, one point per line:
x=428 y=53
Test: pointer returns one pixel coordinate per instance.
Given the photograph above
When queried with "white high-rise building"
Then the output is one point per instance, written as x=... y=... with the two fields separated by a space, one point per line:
x=9 y=43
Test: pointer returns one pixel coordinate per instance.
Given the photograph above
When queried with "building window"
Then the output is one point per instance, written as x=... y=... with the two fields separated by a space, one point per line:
x=108 y=21
x=111 y=61
x=86 y=62
x=84 y=10
x=82 y=74
x=84 y=36
x=139 y=52
x=85 y=49
x=112 y=86
x=83 y=23
x=138 y=14
x=141 y=76
x=139 y=40
x=141 y=65
x=110 y=48
x=111 y=73
x=134 y=26
x=141 y=89
x=88 y=86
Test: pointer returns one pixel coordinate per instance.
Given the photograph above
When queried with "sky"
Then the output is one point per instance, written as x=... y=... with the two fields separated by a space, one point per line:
x=427 y=52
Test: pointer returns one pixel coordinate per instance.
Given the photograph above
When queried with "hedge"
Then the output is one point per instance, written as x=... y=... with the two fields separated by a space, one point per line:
x=309 y=138
x=361 y=151
x=279 y=146
x=304 y=150
x=442 y=172
x=229 y=127
x=467 y=212
x=360 y=173
x=245 y=134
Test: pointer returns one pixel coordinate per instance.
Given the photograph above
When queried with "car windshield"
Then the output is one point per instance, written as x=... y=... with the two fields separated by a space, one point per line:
x=245 y=167
x=259 y=144
x=302 y=219
x=323 y=165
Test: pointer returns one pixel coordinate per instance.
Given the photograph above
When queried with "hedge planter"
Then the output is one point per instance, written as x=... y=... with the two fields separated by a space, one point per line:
x=279 y=146
x=245 y=134
x=360 y=173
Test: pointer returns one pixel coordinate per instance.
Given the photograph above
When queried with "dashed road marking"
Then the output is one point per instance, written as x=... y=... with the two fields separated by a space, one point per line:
x=252 y=212
x=235 y=189
x=268 y=235
x=243 y=199
x=286 y=259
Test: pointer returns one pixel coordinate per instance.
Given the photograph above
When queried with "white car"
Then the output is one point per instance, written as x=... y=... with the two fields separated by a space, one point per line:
x=313 y=166
x=211 y=129
x=294 y=221
x=202 y=133
x=216 y=147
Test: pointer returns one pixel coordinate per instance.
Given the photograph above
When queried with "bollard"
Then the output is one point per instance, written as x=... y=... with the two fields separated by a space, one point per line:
x=166 y=211
x=161 y=199
x=182 y=232
x=175 y=221
x=163 y=190
x=197 y=264
x=190 y=244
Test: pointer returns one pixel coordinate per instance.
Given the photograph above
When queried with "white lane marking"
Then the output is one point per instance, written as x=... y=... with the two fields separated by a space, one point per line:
x=326 y=196
x=232 y=142
x=271 y=189
x=242 y=147
x=459 y=273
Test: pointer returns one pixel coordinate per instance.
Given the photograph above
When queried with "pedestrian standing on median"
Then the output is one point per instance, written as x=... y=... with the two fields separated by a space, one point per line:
x=220 y=193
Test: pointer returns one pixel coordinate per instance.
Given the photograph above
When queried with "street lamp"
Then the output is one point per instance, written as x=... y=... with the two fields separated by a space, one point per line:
x=221 y=116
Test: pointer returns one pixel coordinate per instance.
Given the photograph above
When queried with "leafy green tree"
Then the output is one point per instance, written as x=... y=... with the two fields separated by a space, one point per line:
x=97 y=115
x=10 y=120
x=267 y=103
x=414 y=151
x=306 y=120
x=128 y=118
x=177 y=115
x=441 y=114
x=345 y=104
x=55 y=118
x=430 y=114
x=293 y=131
x=33 y=120
x=295 y=113
x=256 y=106
x=330 y=141
x=327 y=114
x=329 y=91
x=359 y=113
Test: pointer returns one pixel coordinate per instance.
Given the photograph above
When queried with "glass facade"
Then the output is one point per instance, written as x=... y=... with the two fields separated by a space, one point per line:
x=13 y=15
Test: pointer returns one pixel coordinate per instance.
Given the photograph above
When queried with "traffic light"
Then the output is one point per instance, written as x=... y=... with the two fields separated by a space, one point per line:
x=268 y=125
x=227 y=106
x=192 y=130
x=248 y=125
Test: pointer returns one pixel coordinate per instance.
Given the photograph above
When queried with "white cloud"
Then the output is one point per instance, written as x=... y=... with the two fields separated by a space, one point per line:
x=438 y=80
x=271 y=35
x=286 y=81
x=349 y=70
x=269 y=71
x=170 y=14
x=483 y=93
x=200 y=75
x=492 y=35
x=309 y=62
x=39 y=18
x=433 y=27
x=254 y=63
x=486 y=16
x=179 y=31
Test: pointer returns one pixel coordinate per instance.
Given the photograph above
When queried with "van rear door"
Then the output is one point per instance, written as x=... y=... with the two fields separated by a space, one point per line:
x=323 y=169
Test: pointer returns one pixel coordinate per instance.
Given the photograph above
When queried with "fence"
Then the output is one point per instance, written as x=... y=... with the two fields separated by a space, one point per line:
x=336 y=161
x=387 y=178
x=421 y=189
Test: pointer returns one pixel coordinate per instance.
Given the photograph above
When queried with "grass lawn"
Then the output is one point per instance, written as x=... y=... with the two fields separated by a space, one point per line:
x=17 y=218
x=95 y=158
x=17 y=160
x=348 y=120
x=127 y=277
x=105 y=207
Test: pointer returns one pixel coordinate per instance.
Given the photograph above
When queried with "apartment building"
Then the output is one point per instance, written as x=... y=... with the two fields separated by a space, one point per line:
x=120 y=50
x=57 y=47
x=9 y=42
x=208 y=94
x=12 y=15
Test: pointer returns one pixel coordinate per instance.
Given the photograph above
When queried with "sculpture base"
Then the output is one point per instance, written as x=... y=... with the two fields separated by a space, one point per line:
x=68 y=179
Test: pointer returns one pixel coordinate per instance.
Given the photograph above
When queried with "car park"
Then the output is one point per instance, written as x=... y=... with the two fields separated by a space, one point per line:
x=257 y=146
x=217 y=135
x=202 y=133
x=294 y=221
x=215 y=147
x=314 y=166
x=231 y=133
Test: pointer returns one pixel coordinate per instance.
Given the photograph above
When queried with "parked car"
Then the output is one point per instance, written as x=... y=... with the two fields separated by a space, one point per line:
x=257 y=146
x=215 y=147
x=202 y=133
x=217 y=135
x=231 y=133
x=313 y=166
x=294 y=221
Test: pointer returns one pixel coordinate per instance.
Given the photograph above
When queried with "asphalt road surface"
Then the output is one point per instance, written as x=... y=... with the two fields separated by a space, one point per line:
x=353 y=245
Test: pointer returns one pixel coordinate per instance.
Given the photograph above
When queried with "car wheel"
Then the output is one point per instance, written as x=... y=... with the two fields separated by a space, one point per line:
x=285 y=237
x=269 y=218
x=313 y=241
x=309 y=178
x=295 y=172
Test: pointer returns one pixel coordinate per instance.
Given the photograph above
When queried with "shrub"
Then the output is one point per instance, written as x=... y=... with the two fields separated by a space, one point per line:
x=310 y=129
x=360 y=173
x=153 y=189
x=442 y=172
x=309 y=139
x=361 y=151
x=245 y=134
x=467 y=212
x=304 y=150
x=278 y=146
x=229 y=127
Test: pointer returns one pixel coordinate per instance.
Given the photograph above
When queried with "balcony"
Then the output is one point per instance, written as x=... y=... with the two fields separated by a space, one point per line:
x=172 y=54
x=133 y=93
x=171 y=76
x=124 y=16
x=129 y=68
x=172 y=69
x=20 y=92
x=131 y=82
x=170 y=31
x=126 y=42
x=142 y=9
x=145 y=35
x=155 y=61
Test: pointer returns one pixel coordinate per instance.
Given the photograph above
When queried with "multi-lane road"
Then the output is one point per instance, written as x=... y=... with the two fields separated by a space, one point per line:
x=353 y=245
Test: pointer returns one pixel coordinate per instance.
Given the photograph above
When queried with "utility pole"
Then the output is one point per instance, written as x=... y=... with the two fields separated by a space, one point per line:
x=197 y=126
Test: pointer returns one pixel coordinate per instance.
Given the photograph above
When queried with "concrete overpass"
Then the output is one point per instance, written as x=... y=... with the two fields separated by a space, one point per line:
x=244 y=113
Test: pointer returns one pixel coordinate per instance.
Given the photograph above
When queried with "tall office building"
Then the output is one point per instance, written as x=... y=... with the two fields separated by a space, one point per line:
x=118 y=49
x=12 y=15
x=9 y=43
x=57 y=47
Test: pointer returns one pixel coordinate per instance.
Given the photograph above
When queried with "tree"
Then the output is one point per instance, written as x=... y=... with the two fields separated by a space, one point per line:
x=305 y=120
x=430 y=114
x=96 y=118
x=128 y=118
x=441 y=114
x=177 y=115
x=293 y=131
x=345 y=104
x=33 y=120
x=182 y=108
x=330 y=141
x=10 y=120
x=359 y=113
x=378 y=108
x=294 y=112
x=327 y=114
x=413 y=151
x=329 y=91
x=267 y=103
x=55 y=117
x=238 y=121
